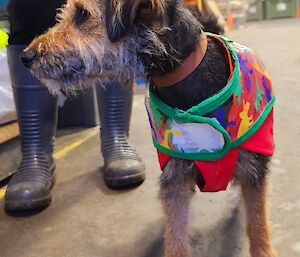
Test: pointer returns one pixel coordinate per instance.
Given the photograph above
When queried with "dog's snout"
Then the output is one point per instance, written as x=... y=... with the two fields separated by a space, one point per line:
x=28 y=56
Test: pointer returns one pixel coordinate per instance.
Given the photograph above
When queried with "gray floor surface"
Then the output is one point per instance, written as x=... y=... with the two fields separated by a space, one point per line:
x=87 y=220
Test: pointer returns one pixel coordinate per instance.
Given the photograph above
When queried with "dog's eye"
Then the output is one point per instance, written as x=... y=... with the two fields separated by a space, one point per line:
x=81 y=15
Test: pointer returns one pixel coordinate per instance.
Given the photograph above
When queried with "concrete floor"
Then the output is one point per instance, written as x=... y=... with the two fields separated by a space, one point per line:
x=87 y=220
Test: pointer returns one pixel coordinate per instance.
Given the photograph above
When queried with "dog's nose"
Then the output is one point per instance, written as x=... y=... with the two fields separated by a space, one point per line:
x=28 y=56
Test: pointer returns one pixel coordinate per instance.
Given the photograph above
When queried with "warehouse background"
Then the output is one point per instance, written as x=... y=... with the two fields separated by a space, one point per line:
x=87 y=219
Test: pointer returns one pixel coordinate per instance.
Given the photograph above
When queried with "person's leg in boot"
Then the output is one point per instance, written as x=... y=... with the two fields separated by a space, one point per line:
x=30 y=187
x=123 y=167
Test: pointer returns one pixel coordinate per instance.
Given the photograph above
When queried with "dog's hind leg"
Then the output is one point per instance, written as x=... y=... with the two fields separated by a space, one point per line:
x=177 y=186
x=258 y=232
x=252 y=174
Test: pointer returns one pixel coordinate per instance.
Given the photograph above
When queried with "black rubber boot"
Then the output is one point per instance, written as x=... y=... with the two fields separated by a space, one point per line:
x=30 y=187
x=123 y=167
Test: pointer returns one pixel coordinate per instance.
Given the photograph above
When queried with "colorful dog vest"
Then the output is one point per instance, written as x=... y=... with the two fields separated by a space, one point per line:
x=209 y=135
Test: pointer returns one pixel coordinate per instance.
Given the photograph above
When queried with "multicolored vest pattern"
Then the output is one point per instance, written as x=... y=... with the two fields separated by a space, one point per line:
x=206 y=132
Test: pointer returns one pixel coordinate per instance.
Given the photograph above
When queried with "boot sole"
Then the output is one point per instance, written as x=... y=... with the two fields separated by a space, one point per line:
x=20 y=206
x=23 y=206
x=124 y=182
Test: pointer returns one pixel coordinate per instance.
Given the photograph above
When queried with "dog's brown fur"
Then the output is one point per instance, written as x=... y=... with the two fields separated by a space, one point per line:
x=121 y=39
x=85 y=49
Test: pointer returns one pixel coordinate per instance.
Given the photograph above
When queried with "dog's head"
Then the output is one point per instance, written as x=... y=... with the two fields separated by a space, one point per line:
x=102 y=40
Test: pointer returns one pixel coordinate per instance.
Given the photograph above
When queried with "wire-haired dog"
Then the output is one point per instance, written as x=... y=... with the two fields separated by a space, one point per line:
x=100 y=40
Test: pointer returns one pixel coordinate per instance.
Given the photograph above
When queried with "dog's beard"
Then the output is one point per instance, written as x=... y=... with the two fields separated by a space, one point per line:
x=73 y=72
x=56 y=87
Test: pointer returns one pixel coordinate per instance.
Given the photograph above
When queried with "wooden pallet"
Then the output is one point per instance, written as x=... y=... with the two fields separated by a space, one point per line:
x=8 y=132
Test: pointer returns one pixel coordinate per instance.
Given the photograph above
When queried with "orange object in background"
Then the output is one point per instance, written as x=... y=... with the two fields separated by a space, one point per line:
x=298 y=12
x=230 y=22
x=190 y=2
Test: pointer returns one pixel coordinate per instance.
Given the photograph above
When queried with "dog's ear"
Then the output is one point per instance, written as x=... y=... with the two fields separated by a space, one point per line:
x=120 y=15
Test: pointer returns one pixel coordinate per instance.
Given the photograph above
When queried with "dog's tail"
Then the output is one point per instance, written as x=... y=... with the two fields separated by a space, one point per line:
x=209 y=21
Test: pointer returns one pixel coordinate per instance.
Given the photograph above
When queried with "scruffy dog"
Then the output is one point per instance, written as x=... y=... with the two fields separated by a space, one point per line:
x=101 y=40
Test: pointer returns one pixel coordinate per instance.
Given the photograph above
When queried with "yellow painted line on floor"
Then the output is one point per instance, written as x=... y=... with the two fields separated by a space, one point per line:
x=61 y=153
x=70 y=147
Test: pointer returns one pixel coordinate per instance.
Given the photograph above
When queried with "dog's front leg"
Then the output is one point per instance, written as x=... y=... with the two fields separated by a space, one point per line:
x=177 y=185
x=258 y=232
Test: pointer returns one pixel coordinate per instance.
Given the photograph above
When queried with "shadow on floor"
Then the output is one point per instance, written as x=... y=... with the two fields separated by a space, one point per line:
x=222 y=240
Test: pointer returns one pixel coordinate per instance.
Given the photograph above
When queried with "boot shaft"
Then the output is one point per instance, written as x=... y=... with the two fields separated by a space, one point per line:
x=36 y=108
x=115 y=106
